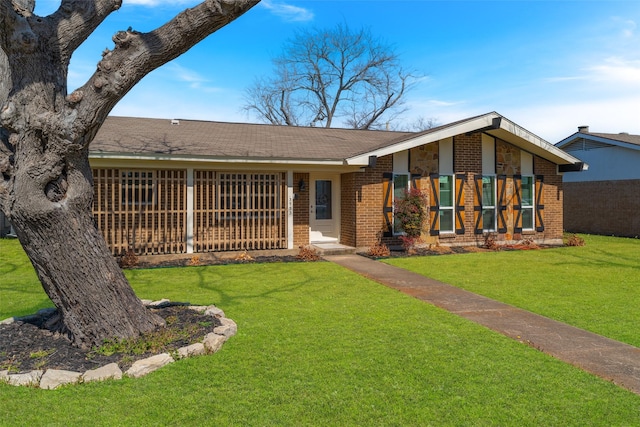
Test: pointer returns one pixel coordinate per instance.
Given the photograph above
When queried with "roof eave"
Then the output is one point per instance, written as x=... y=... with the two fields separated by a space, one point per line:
x=522 y=138
x=471 y=125
x=211 y=159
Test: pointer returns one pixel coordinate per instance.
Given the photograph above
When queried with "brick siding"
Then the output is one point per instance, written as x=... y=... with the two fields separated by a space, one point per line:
x=602 y=207
x=301 y=211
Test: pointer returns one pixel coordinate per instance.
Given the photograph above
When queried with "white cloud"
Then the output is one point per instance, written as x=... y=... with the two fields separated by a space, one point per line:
x=627 y=27
x=194 y=80
x=288 y=12
x=617 y=71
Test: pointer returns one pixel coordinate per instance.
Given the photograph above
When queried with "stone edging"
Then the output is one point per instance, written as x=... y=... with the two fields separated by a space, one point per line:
x=52 y=378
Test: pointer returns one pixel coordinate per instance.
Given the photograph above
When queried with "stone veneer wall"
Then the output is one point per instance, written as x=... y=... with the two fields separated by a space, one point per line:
x=508 y=160
x=603 y=207
x=424 y=160
x=301 y=212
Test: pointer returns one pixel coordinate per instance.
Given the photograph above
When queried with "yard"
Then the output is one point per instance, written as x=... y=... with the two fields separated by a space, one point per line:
x=319 y=345
x=595 y=287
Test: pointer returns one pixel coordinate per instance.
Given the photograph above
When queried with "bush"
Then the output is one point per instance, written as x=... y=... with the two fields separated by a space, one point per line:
x=379 y=250
x=307 y=253
x=411 y=212
x=575 y=240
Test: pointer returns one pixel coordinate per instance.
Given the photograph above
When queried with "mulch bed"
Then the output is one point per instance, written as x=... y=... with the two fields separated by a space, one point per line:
x=26 y=346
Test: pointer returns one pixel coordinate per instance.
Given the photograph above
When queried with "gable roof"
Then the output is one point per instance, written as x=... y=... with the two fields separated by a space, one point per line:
x=130 y=137
x=582 y=140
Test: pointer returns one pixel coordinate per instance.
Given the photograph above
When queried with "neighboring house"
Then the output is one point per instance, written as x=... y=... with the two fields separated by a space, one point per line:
x=182 y=186
x=604 y=199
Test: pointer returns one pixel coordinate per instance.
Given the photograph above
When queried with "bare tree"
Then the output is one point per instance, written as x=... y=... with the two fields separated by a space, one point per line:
x=46 y=187
x=324 y=75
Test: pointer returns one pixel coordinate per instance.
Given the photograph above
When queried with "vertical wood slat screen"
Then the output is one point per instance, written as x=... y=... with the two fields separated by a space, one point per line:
x=141 y=209
x=239 y=211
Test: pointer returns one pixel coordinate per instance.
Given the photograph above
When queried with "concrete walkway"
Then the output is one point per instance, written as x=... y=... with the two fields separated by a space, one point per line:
x=601 y=356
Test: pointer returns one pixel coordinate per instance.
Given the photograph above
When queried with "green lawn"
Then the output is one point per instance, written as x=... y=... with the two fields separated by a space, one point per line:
x=594 y=287
x=318 y=345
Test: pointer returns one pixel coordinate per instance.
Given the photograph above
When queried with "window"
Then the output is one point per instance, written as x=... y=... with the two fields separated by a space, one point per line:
x=527 y=202
x=400 y=187
x=446 y=210
x=489 y=203
x=323 y=199
x=137 y=188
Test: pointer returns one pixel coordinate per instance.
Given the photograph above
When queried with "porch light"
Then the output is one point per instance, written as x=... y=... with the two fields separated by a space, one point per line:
x=301 y=185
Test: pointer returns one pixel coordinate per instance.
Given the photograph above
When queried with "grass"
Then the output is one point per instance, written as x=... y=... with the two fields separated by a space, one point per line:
x=595 y=287
x=319 y=345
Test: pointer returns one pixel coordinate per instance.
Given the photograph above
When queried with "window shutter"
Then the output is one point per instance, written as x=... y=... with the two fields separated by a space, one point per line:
x=434 y=205
x=501 y=182
x=387 y=204
x=461 y=179
x=477 y=204
x=539 y=202
x=415 y=181
x=517 y=206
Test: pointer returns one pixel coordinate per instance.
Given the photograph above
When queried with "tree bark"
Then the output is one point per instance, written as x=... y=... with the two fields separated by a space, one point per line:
x=46 y=184
x=56 y=229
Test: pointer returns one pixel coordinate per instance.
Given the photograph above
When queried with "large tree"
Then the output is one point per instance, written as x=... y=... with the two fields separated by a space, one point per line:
x=46 y=187
x=325 y=75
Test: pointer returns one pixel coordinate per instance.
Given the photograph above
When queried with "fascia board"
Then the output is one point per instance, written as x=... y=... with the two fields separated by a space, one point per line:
x=212 y=159
x=535 y=144
x=447 y=132
x=600 y=139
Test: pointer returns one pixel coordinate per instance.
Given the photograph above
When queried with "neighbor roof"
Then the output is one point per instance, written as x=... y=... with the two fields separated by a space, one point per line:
x=618 y=139
x=130 y=137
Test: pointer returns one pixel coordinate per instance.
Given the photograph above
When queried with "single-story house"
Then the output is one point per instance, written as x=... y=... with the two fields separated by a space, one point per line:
x=604 y=199
x=184 y=186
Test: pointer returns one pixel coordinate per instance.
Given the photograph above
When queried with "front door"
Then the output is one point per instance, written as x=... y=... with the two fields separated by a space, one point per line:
x=324 y=208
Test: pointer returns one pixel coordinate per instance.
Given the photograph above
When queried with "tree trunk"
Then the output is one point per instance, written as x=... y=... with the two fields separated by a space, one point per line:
x=46 y=185
x=56 y=228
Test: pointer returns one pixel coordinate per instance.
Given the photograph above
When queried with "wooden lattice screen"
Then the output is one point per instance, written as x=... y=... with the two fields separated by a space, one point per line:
x=239 y=211
x=144 y=209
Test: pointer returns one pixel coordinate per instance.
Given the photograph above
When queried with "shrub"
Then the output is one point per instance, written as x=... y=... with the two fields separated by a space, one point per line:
x=129 y=259
x=307 y=253
x=575 y=240
x=411 y=212
x=490 y=242
x=379 y=250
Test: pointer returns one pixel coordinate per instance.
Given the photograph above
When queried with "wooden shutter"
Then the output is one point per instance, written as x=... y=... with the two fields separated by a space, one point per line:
x=517 y=205
x=434 y=205
x=461 y=179
x=501 y=182
x=415 y=181
x=387 y=204
x=539 y=202
x=477 y=204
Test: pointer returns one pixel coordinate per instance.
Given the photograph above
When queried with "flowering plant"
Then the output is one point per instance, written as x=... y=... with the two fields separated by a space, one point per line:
x=410 y=211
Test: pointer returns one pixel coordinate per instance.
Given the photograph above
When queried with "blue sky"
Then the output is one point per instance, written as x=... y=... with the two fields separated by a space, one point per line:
x=550 y=66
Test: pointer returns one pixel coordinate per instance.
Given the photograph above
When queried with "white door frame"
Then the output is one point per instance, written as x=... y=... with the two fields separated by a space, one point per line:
x=324 y=230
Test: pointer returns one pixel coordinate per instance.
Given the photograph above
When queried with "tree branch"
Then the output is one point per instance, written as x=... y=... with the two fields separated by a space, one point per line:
x=137 y=54
x=75 y=20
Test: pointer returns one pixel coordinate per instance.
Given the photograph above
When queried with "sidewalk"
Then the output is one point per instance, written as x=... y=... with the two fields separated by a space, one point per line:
x=601 y=356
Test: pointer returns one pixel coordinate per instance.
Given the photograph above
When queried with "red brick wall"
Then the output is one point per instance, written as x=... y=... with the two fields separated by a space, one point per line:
x=301 y=211
x=348 y=209
x=553 y=209
x=602 y=207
